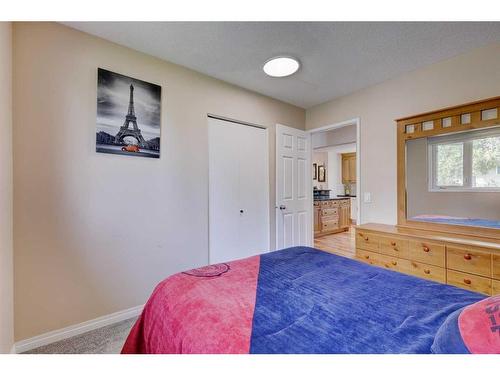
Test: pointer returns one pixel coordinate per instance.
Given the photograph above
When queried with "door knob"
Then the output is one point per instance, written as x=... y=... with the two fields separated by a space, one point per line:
x=241 y=211
x=282 y=207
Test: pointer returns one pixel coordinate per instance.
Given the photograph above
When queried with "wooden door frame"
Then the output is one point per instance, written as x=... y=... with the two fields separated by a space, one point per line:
x=357 y=122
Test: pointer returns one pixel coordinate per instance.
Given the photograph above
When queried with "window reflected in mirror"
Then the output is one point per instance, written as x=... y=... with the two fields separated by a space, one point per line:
x=455 y=178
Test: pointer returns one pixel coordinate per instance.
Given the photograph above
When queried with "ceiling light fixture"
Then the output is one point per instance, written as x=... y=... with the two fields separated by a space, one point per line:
x=281 y=66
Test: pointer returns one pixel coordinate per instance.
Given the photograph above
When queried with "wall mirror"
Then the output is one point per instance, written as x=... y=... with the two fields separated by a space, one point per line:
x=449 y=170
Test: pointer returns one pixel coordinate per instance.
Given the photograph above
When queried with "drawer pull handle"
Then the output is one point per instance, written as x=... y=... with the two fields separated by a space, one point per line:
x=393 y=243
x=426 y=249
x=467 y=257
x=366 y=238
x=427 y=272
x=394 y=263
x=467 y=281
x=367 y=257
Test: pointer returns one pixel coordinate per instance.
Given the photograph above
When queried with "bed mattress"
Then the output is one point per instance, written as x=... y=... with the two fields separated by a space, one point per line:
x=297 y=300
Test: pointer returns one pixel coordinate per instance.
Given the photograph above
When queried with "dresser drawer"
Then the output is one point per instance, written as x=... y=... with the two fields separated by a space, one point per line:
x=495 y=269
x=393 y=246
x=385 y=261
x=469 y=260
x=427 y=252
x=426 y=271
x=393 y=263
x=327 y=225
x=368 y=257
x=330 y=212
x=467 y=281
x=367 y=241
x=495 y=287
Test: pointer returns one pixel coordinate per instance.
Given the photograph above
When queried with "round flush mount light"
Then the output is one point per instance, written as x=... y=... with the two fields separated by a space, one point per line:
x=281 y=66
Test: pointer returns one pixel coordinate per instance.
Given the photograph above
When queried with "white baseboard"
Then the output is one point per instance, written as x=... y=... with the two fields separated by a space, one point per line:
x=76 y=329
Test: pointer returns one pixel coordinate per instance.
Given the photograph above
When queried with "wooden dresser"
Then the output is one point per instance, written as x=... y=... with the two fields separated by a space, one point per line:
x=456 y=260
x=331 y=216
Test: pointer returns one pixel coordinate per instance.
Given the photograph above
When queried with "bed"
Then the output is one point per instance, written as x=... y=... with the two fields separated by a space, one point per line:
x=297 y=300
x=443 y=219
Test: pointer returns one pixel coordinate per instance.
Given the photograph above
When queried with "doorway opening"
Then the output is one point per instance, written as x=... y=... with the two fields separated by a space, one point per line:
x=335 y=183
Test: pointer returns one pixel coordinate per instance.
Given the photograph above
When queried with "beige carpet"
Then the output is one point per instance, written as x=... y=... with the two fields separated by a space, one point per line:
x=105 y=340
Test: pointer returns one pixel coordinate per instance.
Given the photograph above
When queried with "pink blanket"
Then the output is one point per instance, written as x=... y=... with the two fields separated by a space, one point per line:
x=206 y=310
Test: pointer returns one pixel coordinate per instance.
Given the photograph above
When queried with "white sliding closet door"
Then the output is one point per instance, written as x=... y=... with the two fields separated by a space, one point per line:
x=238 y=191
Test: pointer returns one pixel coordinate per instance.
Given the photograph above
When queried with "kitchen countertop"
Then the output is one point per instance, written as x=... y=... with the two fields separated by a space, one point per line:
x=318 y=199
x=347 y=196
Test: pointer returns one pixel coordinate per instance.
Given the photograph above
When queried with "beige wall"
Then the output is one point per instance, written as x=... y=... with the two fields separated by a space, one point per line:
x=335 y=168
x=421 y=201
x=94 y=233
x=6 y=263
x=464 y=78
x=334 y=137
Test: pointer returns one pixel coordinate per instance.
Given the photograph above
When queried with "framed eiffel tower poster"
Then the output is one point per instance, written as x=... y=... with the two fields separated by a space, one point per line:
x=128 y=115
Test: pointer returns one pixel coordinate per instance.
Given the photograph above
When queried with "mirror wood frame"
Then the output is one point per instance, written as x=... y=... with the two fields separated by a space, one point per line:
x=454 y=124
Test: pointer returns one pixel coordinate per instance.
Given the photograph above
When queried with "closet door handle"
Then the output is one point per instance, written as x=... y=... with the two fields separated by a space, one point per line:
x=241 y=211
x=282 y=207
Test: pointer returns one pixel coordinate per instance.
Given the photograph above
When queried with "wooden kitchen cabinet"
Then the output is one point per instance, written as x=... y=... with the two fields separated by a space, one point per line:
x=349 y=168
x=331 y=216
x=317 y=219
x=345 y=214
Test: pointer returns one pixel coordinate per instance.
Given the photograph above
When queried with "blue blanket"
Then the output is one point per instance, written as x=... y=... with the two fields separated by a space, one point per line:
x=309 y=301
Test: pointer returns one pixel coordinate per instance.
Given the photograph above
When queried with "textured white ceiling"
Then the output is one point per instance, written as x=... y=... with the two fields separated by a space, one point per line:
x=337 y=58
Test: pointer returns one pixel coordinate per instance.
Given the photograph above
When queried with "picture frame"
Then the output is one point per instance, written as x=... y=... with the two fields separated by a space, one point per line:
x=128 y=115
x=315 y=171
x=321 y=173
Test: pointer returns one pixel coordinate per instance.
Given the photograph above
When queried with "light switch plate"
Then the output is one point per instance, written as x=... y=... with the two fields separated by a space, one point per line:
x=368 y=197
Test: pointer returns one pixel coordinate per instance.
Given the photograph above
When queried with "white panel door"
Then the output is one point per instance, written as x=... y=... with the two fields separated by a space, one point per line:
x=238 y=191
x=253 y=148
x=293 y=195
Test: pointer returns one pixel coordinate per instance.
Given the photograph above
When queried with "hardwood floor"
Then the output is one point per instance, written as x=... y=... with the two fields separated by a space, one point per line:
x=339 y=243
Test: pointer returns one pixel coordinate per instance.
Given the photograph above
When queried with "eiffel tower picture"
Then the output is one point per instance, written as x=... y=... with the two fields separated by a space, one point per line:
x=125 y=130
x=139 y=133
